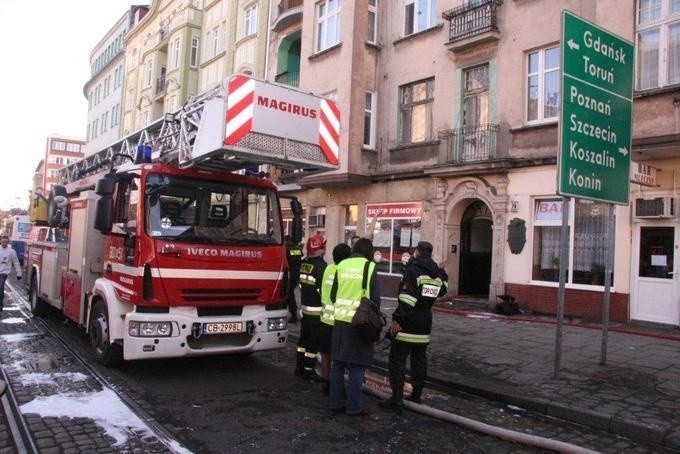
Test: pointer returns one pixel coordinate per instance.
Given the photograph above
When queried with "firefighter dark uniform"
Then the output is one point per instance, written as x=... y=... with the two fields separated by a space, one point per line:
x=311 y=278
x=294 y=256
x=420 y=286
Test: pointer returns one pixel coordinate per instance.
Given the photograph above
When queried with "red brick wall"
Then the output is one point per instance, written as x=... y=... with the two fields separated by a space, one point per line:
x=577 y=303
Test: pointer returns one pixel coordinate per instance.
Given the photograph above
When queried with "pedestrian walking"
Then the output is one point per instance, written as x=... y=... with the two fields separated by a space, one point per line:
x=411 y=325
x=8 y=259
x=356 y=277
x=311 y=276
x=340 y=253
x=294 y=256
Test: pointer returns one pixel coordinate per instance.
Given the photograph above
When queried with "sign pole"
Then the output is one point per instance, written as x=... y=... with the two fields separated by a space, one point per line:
x=611 y=226
x=564 y=258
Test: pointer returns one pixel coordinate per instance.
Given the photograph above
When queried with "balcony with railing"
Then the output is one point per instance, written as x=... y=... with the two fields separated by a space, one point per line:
x=472 y=24
x=291 y=78
x=288 y=12
x=470 y=144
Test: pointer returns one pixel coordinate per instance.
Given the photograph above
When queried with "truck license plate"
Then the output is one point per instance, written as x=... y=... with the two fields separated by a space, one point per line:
x=222 y=327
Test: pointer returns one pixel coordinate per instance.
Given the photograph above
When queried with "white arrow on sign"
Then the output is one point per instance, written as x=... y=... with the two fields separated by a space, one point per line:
x=573 y=44
x=623 y=151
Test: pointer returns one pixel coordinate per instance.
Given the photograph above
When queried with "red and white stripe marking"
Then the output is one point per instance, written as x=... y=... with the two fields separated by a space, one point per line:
x=239 y=108
x=329 y=130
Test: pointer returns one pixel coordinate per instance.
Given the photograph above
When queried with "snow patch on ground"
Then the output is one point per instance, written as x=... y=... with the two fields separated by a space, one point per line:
x=42 y=378
x=18 y=337
x=103 y=407
x=13 y=320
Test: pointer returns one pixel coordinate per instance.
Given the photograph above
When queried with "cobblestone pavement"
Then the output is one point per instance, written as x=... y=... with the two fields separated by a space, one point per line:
x=53 y=390
x=636 y=394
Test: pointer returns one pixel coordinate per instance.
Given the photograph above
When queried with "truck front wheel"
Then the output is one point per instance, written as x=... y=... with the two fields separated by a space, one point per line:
x=106 y=352
x=37 y=303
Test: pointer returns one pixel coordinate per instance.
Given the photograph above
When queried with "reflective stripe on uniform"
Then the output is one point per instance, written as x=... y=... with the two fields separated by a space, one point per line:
x=301 y=349
x=408 y=299
x=413 y=338
x=425 y=279
x=311 y=310
x=307 y=279
x=310 y=355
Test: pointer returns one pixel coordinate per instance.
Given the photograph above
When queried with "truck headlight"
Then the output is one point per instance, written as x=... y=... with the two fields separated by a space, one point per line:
x=149 y=329
x=277 y=324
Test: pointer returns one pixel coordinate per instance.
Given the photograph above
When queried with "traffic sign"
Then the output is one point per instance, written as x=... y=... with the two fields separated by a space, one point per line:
x=596 y=114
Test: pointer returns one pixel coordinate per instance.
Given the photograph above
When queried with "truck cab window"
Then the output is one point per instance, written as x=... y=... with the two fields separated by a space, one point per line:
x=211 y=212
x=126 y=203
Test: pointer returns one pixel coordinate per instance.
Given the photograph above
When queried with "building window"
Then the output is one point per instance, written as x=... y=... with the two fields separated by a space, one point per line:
x=175 y=54
x=73 y=147
x=193 y=57
x=415 y=111
x=149 y=73
x=215 y=42
x=372 y=21
x=327 y=24
x=351 y=218
x=369 y=120
x=587 y=241
x=395 y=234
x=251 y=20
x=58 y=145
x=419 y=15
x=543 y=84
x=658 y=43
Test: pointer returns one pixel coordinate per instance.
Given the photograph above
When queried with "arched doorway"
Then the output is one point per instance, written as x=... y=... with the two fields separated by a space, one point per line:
x=288 y=60
x=476 y=242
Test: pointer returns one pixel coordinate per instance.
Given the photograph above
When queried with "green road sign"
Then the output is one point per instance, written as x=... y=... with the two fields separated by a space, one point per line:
x=596 y=116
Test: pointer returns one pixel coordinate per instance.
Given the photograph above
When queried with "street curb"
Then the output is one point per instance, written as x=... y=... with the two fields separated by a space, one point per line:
x=633 y=430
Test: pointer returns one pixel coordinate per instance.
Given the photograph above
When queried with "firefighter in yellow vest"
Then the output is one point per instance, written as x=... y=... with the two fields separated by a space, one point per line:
x=340 y=252
x=411 y=325
x=349 y=352
x=311 y=276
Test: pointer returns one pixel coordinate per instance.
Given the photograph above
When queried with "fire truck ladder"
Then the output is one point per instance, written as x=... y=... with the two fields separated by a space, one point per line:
x=194 y=136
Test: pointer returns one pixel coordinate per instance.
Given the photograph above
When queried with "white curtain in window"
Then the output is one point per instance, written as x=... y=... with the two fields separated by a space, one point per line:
x=674 y=51
x=550 y=247
x=590 y=231
x=648 y=61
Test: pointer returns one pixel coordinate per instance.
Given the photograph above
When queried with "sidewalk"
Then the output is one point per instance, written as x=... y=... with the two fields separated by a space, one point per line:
x=512 y=359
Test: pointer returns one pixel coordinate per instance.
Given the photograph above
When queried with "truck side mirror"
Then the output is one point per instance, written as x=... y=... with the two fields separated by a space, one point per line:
x=103 y=217
x=296 y=233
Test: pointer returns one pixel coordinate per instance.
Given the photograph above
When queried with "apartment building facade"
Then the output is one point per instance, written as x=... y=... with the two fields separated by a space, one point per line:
x=104 y=89
x=450 y=134
x=60 y=151
x=182 y=48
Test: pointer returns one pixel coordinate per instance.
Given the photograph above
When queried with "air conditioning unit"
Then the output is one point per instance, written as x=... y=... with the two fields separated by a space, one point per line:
x=658 y=207
x=317 y=220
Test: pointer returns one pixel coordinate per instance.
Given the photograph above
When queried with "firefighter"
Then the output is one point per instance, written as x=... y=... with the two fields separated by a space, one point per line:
x=411 y=325
x=8 y=260
x=348 y=350
x=294 y=256
x=340 y=252
x=311 y=277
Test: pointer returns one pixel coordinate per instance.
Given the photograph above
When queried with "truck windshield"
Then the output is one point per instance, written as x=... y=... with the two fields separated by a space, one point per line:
x=212 y=212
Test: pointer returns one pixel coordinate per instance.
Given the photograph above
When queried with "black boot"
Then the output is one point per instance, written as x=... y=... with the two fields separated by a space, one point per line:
x=416 y=395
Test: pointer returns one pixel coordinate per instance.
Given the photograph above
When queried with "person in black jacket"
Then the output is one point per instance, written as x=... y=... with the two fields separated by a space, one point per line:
x=311 y=278
x=411 y=325
x=294 y=256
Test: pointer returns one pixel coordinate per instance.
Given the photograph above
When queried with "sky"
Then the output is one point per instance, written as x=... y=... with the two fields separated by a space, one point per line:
x=45 y=48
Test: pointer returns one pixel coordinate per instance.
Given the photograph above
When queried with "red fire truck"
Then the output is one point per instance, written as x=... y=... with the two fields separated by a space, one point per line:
x=169 y=242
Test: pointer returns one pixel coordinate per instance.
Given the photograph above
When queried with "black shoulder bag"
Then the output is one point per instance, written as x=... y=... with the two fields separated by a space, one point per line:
x=368 y=321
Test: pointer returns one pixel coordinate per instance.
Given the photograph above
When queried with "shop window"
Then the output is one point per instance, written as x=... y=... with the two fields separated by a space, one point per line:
x=395 y=235
x=587 y=241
